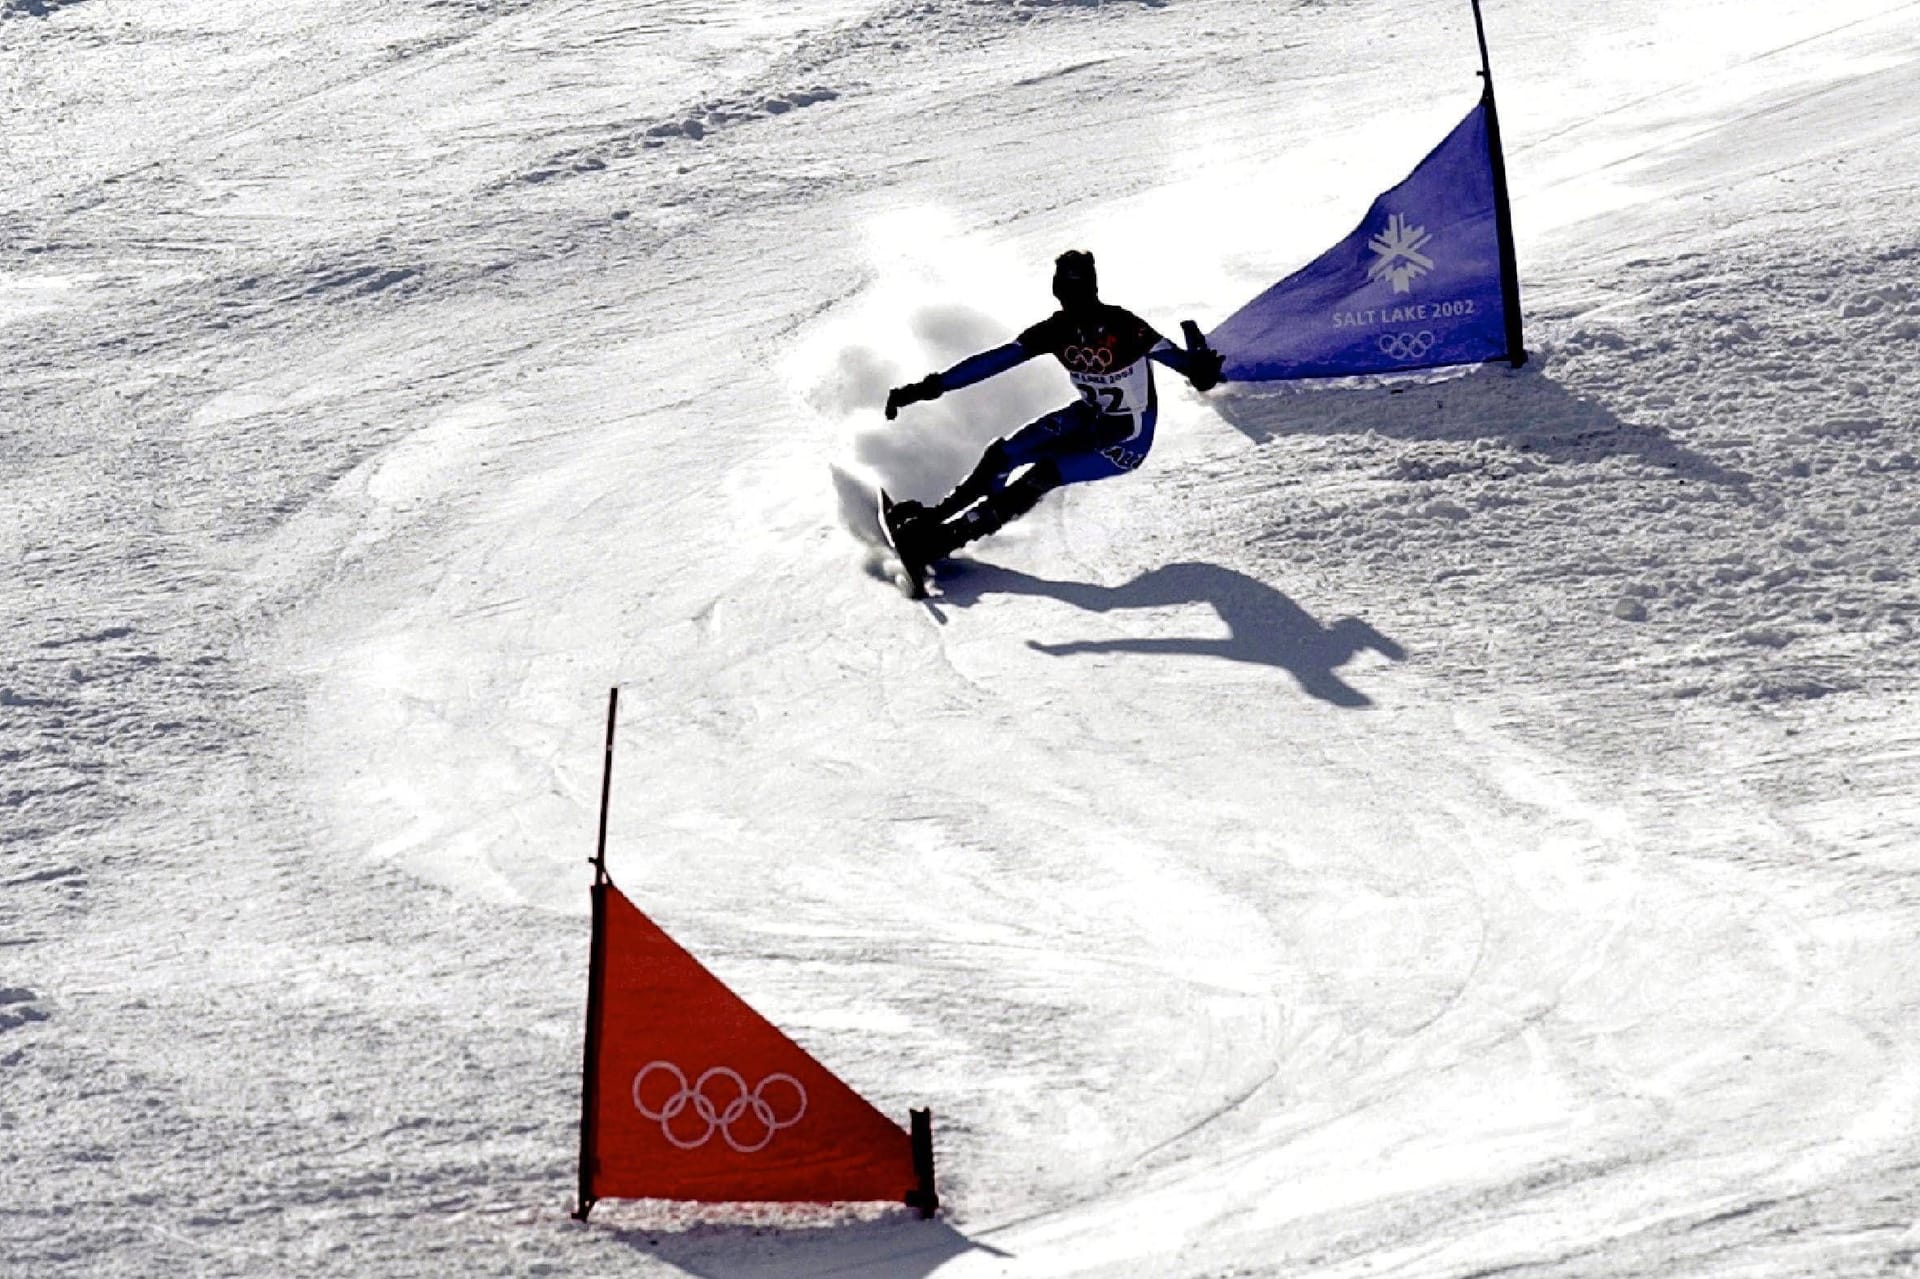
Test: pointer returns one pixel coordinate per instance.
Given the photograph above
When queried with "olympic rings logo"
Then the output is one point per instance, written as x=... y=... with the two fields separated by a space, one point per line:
x=1088 y=359
x=1406 y=346
x=718 y=1102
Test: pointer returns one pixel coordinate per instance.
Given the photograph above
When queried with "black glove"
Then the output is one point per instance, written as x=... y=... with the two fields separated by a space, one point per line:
x=1203 y=362
x=1204 y=368
x=927 y=388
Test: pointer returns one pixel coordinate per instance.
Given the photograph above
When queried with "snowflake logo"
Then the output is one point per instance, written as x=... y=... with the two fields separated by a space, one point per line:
x=1399 y=257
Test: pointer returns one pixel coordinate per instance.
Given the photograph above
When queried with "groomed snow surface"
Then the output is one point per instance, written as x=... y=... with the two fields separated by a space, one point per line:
x=1454 y=826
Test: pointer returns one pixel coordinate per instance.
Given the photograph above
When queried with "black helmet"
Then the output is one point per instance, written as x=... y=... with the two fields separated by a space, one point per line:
x=1074 y=282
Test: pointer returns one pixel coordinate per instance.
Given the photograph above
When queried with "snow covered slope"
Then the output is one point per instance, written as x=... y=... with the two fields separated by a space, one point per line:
x=1449 y=827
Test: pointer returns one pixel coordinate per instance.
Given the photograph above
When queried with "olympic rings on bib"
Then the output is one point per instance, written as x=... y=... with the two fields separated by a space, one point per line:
x=1406 y=346
x=718 y=1102
x=1088 y=359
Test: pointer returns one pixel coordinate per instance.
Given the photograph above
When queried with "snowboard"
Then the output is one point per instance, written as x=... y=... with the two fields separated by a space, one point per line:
x=915 y=583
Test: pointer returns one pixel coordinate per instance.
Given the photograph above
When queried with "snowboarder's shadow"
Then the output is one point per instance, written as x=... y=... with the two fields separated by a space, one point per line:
x=1264 y=626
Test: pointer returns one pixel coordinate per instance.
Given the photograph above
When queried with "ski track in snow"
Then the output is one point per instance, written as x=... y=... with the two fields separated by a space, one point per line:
x=1450 y=827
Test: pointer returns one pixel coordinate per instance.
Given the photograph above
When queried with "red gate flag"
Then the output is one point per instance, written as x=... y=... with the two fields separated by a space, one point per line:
x=690 y=1094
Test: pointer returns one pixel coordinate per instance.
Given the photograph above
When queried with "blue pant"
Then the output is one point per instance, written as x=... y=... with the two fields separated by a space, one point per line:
x=1081 y=443
x=1068 y=446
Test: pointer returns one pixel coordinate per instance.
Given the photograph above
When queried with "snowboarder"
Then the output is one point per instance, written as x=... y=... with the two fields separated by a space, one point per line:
x=1107 y=432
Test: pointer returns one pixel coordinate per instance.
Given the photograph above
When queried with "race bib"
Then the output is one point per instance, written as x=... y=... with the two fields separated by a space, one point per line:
x=1122 y=393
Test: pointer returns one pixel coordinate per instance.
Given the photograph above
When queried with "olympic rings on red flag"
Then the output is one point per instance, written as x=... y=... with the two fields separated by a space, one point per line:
x=718 y=1102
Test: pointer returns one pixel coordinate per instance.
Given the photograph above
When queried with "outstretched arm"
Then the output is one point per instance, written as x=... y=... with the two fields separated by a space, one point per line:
x=978 y=368
x=1198 y=363
x=975 y=368
x=1165 y=352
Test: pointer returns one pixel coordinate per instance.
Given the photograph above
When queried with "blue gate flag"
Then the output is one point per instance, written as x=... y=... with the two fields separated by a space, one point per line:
x=1418 y=284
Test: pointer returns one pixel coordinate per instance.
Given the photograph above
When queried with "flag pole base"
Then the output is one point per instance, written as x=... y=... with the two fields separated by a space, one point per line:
x=923 y=1197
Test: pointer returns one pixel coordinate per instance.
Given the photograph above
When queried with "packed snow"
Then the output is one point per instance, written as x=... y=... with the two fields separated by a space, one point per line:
x=1453 y=825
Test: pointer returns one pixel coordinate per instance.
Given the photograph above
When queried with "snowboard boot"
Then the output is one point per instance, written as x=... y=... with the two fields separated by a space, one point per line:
x=931 y=539
x=906 y=511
